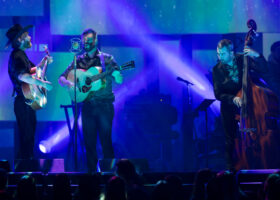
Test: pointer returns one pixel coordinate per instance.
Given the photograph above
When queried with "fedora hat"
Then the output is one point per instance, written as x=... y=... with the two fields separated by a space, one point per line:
x=15 y=32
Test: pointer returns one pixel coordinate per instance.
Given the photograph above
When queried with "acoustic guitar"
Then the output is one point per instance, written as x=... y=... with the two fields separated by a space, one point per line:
x=36 y=96
x=89 y=80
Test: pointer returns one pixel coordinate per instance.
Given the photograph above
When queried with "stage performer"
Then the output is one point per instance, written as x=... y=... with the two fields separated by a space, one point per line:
x=20 y=70
x=97 y=109
x=227 y=81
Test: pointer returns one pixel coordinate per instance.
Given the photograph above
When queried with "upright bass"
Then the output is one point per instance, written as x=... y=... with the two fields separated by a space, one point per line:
x=258 y=147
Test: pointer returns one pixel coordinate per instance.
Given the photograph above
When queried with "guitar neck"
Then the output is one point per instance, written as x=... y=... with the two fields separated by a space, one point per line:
x=245 y=79
x=44 y=69
x=128 y=65
x=100 y=76
x=43 y=72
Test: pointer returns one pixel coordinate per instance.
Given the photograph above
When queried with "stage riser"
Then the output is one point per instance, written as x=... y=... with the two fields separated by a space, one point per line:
x=147 y=178
x=46 y=192
x=109 y=165
x=252 y=187
x=45 y=181
x=39 y=165
x=255 y=175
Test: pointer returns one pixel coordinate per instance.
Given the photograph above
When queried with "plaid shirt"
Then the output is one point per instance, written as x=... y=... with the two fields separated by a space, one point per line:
x=85 y=62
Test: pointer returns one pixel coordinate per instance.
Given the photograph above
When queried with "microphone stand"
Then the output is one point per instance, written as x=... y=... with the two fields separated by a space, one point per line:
x=75 y=114
x=187 y=125
x=75 y=48
x=188 y=93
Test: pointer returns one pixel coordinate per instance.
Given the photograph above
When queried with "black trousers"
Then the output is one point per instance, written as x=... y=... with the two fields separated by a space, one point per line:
x=26 y=122
x=231 y=130
x=97 y=118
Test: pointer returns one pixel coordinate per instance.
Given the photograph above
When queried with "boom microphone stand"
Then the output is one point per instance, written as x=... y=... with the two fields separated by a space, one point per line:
x=187 y=126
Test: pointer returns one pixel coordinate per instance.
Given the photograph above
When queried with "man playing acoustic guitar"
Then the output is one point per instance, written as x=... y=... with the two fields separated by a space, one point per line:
x=20 y=71
x=98 y=108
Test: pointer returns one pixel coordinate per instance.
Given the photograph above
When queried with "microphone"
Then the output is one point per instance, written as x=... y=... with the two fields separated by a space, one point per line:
x=183 y=80
x=75 y=45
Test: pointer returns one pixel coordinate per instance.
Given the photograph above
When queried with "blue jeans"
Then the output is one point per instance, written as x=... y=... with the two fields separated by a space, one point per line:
x=97 y=118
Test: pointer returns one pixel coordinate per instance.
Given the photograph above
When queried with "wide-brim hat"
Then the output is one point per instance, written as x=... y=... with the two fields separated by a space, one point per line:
x=15 y=32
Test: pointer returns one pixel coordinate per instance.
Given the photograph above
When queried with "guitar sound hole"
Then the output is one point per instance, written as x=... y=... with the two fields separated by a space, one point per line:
x=85 y=89
x=88 y=81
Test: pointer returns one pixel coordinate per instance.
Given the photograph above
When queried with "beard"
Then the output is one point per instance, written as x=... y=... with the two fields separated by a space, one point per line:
x=89 y=46
x=27 y=44
x=226 y=60
x=223 y=61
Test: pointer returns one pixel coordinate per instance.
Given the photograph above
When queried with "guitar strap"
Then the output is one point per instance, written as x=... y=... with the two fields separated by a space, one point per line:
x=102 y=61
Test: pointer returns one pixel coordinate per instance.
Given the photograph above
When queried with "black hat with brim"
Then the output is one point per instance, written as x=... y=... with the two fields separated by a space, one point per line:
x=15 y=32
